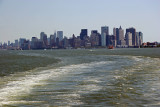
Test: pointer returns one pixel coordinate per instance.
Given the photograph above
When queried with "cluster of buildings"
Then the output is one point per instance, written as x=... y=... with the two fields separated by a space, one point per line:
x=119 y=39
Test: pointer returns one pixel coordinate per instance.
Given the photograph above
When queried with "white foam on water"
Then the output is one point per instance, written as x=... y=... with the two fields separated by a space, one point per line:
x=24 y=85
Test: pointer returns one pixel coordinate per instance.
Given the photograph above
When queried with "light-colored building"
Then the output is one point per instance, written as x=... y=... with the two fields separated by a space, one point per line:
x=120 y=36
x=129 y=39
x=104 y=33
x=103 y=39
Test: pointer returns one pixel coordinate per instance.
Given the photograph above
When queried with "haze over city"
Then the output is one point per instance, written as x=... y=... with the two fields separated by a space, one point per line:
x=23 y=18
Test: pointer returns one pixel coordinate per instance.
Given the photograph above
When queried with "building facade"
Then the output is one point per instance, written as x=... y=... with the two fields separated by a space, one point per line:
x=83 y=34
x=133 y=31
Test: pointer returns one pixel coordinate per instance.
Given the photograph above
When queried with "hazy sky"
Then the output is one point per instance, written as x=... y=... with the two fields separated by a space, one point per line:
x=27 y=18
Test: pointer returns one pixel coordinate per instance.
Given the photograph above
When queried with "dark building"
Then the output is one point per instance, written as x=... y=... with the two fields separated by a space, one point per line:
x=45 y=40
x=83 y=34
x=57 y=42
x=111 y=40
x=52 y=40
x=133 y=31
x=26 y=45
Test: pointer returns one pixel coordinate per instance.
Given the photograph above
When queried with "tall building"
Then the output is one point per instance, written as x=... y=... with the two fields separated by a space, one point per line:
x=140 y=38
x=137 y=39
x=53 y=40
x=103 y=39
x=115 y=33
x=105 y=29
x=83 y=34
x=120 y=36
x=16 y=43
x=94 y=38
x=8 y=43
x=21 y=41
x=129 y=39
x=34 y=43
x=60 y=35
x=111 y=40
x=104 y=33
x=121 y=33
x=43 y=38
x=65 y=42
x=133 y=31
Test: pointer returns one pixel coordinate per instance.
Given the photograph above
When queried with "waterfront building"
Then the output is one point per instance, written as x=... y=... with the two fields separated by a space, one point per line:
x=111 y=40
x=76 y=42
x=94 y=38
x=16 y=43
x=21 y=41
x=34 y=42
x=120 y=36
x=43 y=38
x=129 y=39
x=140 y=38
x=26 y=45
x=57 y=41
x=105 y=29
x=53 y=40
x=115 y=33
x=104 y=33
x=8 y=43
x=133 y=31
x=137 y=39
x=60 y=35
x=83 y=34
x=65 y=42
x=103 y=39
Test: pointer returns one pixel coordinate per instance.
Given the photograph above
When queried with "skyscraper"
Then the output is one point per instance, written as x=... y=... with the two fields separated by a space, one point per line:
x=104 y=33
x=94 y=38
x=105 y=29
x=43 y=38
x=60 y=35
x=8 y=43
x=129 y=39
x=115 y=33
x=21 y=41
x=16 y=43
x=137 y=39
x=120 y=36
x=83 y=34
x=53 y=40
x=133 y=31
x=140 y=38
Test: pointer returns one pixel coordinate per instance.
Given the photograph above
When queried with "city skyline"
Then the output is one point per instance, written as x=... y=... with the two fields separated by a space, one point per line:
x=21 y=18
x=132 y=39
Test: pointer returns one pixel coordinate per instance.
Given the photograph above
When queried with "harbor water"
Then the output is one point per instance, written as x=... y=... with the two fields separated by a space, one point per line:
x=82 y=77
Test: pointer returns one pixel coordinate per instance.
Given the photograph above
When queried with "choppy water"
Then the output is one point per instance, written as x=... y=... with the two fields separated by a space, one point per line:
x=98 y=77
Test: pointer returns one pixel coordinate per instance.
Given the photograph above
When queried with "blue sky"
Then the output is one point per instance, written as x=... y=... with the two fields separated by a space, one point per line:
x=27 y=18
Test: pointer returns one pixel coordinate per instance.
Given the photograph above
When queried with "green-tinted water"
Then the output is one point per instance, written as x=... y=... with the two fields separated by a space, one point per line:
x=97 y=77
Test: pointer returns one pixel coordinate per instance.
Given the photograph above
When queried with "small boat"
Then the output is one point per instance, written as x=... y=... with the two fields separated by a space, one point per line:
x=110 y=47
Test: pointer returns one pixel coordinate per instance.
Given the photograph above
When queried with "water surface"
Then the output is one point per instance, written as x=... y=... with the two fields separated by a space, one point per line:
x=92 y=77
